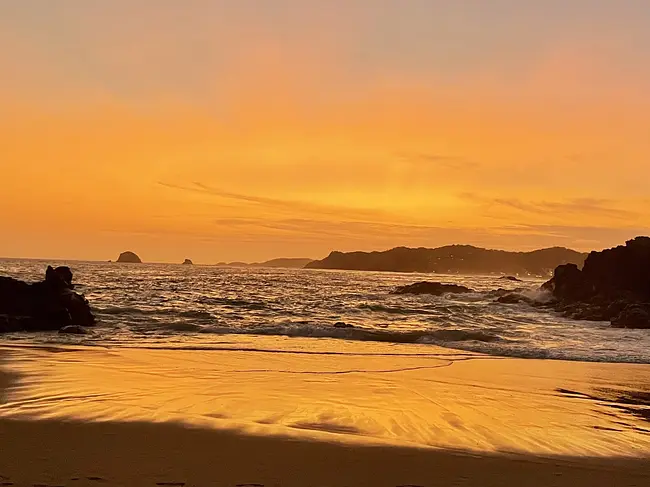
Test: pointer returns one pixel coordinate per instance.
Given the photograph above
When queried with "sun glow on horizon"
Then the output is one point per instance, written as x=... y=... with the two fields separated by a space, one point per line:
x=232 y=133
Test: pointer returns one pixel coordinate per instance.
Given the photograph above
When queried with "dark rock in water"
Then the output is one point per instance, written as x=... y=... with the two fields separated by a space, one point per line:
x=633 y=316
x=613 y=285
x=47 y=305
x=341 y=324
x=74 y=330
x=568 y=283
x=511 y=298
x=10 y=323
x=188 y=262
x=129 y=258
x=510 y=278
x=434 y=288
x=59 y=277
x=497 y=293
x=514 y=298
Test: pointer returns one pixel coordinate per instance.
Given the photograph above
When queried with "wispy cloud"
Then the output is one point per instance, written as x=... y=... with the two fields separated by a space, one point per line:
x=291 y=206
x=574 y=206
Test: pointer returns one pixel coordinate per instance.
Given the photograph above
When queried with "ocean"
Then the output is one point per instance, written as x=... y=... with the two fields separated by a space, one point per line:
x=206 y=307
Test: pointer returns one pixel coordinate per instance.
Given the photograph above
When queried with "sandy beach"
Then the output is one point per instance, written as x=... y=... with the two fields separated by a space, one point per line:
x=84 y=416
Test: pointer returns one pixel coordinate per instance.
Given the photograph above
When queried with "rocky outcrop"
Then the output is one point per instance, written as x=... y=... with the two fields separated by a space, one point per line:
x=613 y=285
x=434 y=288
x=129 y=258
x=41 y=306
x=188 y=262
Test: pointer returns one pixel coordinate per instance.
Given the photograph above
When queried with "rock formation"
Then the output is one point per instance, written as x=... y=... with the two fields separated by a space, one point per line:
x=47 y=305
x=434 y=288
x=613 y=285
x=129 y=258
x=188 y=262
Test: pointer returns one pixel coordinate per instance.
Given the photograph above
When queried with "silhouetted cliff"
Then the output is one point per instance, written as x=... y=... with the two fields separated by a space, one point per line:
x=453 y=259
x=614 y=285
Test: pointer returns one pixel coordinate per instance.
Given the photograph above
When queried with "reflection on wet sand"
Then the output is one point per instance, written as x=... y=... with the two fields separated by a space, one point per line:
x=625 y=406
x=445 y=400
x=378 y=417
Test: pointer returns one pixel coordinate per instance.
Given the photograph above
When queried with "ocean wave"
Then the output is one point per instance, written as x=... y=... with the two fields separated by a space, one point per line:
x=231 y=302
x=363 y=334
x=199 y=314
x=169 y=312
x=183 y=327
x=379 y=308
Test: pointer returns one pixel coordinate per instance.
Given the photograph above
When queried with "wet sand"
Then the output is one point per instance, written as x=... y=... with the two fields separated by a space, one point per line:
x=79 y=416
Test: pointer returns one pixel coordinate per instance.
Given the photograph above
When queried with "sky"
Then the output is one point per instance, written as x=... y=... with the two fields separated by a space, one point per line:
x=222 y=130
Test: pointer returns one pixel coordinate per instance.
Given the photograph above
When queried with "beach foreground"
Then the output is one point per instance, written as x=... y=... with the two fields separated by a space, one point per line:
x=84 y=416
x=138 y=454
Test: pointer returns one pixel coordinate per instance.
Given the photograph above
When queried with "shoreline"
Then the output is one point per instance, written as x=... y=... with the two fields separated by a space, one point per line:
x=193 y=418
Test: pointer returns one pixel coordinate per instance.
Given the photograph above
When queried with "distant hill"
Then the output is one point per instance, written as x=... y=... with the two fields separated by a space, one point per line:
x=453 y=259
x=289 y=263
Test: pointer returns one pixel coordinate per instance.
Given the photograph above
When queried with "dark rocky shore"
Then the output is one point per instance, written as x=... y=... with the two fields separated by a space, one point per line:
x=51 y=304
x=613 y=285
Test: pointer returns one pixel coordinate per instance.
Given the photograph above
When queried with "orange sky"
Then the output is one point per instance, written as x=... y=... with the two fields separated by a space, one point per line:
x=256 y=139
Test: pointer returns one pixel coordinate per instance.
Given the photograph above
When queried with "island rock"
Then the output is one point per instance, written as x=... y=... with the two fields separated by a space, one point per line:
x=188 y=262
x=129 y=258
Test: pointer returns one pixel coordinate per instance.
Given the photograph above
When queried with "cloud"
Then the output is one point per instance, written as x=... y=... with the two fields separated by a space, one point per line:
x=293 y=207
x=578 y=205
x=380 y=236
x=586 y=237
x=569 y=207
